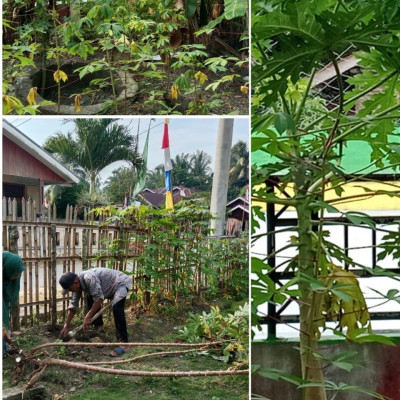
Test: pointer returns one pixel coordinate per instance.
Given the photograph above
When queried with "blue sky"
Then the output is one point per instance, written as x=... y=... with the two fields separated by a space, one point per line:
x=186 y=134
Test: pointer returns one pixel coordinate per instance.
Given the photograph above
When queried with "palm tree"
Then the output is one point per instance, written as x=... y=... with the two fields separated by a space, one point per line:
x=181 y=167
x=96 y=143
x=239 y=172
x=156 y=178
x=201 y=170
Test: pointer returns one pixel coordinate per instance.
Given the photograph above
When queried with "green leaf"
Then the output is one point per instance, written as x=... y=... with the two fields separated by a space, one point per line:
x=358 y=218
x=235 y=8
x=190 y=9
x=284 y=122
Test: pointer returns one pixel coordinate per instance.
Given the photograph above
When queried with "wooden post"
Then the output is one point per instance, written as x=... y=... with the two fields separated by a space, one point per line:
x=53 y=296
x=4 y=208
x=13 y=236
x=10 y=208
x=14 y=210
x=84 y=250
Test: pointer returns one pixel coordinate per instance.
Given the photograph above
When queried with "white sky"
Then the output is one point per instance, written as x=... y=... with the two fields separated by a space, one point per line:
x=186 y=134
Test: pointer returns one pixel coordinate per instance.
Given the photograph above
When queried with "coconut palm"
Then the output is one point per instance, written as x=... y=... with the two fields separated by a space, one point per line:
x=200 y=170
x=239 y=172
x=95 y=144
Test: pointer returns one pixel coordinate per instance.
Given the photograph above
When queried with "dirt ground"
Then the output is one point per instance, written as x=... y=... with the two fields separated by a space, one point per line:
x=163 y=326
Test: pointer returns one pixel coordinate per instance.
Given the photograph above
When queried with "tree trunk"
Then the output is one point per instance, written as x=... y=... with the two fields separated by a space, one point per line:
x=310 y=364
x=92 y=184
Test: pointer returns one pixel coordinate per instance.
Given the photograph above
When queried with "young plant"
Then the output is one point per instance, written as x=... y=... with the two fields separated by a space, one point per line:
x=290 y=40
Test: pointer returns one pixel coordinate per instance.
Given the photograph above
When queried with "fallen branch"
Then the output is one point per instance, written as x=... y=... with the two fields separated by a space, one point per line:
x=128 y=360
x=100 y=344
x=160 y=374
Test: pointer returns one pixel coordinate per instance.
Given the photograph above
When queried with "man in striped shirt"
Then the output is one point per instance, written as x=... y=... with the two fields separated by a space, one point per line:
x=98 y=284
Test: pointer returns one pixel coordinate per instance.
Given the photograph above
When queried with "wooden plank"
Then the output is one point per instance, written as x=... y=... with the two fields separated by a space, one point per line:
x=53 y=277
x=4 y=214
x=14 y=210
x=36 y=253
x=25 y=318
x=30 y=267
x=45 y=282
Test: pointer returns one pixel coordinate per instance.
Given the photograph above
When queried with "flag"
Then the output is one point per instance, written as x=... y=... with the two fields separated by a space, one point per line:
x=182 y=192
x=169 y=201
x=126 y=201
x=142 y=172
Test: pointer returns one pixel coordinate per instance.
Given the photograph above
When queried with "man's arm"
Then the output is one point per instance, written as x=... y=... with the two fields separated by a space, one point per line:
x=71 y=314
x=95 y=307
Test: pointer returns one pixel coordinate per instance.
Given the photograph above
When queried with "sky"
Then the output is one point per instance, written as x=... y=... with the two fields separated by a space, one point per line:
x=186 y=135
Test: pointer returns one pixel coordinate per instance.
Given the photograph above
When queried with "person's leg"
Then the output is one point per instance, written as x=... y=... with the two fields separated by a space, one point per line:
x=98 y=322
x=120 y=320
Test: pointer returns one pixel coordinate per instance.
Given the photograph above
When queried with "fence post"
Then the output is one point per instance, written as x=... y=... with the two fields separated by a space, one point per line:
x=84 y=250
x=53 y=302
x=13 y=236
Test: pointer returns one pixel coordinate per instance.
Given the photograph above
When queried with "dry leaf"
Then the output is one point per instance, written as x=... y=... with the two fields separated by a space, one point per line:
x=244 y=89
x=32 y=96
x=77 y=103
x=60 y=75
x=217 y=10
x=31 y=56
x=201 y=77
x=175 y=92
x=175 y=39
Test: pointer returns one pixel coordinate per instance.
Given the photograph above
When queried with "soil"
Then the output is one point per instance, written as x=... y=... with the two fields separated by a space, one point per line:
x=163 y=326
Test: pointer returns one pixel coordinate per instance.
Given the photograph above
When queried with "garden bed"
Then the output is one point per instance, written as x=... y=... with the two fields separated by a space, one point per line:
x=159 y=327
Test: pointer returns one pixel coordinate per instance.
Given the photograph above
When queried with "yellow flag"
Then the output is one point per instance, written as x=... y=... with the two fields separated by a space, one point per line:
x=169 y=201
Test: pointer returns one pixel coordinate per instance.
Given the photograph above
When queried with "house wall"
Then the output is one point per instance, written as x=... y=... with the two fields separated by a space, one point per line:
x=376 y=367
x=33 y=192
x=18 y=162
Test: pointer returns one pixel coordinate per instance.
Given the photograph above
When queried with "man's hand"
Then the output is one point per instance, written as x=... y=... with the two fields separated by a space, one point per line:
x=7 y=337
x=64 y=331
x=87 y=321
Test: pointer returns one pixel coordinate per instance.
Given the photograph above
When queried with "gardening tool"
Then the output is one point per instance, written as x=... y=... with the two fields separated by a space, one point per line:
x=77 y=329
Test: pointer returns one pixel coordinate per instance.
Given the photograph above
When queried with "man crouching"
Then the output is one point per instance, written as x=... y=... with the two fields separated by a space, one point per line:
x=99 y=284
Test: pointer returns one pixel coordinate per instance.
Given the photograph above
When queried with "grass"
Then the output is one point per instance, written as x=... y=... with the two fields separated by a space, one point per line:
x=163 y=326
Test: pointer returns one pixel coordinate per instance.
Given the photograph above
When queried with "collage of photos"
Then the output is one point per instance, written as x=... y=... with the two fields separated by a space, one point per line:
x=201 y=199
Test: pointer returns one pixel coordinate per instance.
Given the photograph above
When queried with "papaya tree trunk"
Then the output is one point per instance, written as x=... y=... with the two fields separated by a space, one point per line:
x=310 y=364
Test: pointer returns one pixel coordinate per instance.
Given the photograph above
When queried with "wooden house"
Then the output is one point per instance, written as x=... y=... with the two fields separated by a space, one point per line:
x=27 y=168
x=238 y=216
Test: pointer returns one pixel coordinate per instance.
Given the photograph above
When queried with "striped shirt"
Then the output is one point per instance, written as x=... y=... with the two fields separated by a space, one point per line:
x=102 y=283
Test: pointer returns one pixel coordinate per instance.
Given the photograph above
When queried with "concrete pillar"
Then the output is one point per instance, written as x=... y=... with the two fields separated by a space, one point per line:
x=221 y=175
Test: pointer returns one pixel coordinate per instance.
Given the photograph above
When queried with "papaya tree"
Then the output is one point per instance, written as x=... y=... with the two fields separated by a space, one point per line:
x=304 y=139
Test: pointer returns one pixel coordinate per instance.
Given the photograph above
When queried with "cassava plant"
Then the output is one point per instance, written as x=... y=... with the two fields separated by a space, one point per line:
x=304 y=142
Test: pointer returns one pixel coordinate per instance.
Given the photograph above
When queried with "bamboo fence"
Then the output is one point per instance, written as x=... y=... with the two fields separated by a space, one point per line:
x=49 y=247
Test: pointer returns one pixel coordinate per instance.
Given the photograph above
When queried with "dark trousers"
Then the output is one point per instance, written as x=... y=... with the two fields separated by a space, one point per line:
x=119 y=319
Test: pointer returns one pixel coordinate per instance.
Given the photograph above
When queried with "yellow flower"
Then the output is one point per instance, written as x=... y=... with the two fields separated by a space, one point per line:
x=32 y=96
x=60 y=75
x=77 y=103
x=244 y=89
x=175 y=92
x=150 y=11
x=201 y=77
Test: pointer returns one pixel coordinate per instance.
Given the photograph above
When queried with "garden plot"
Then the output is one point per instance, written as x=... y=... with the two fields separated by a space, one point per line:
x=157 y=328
